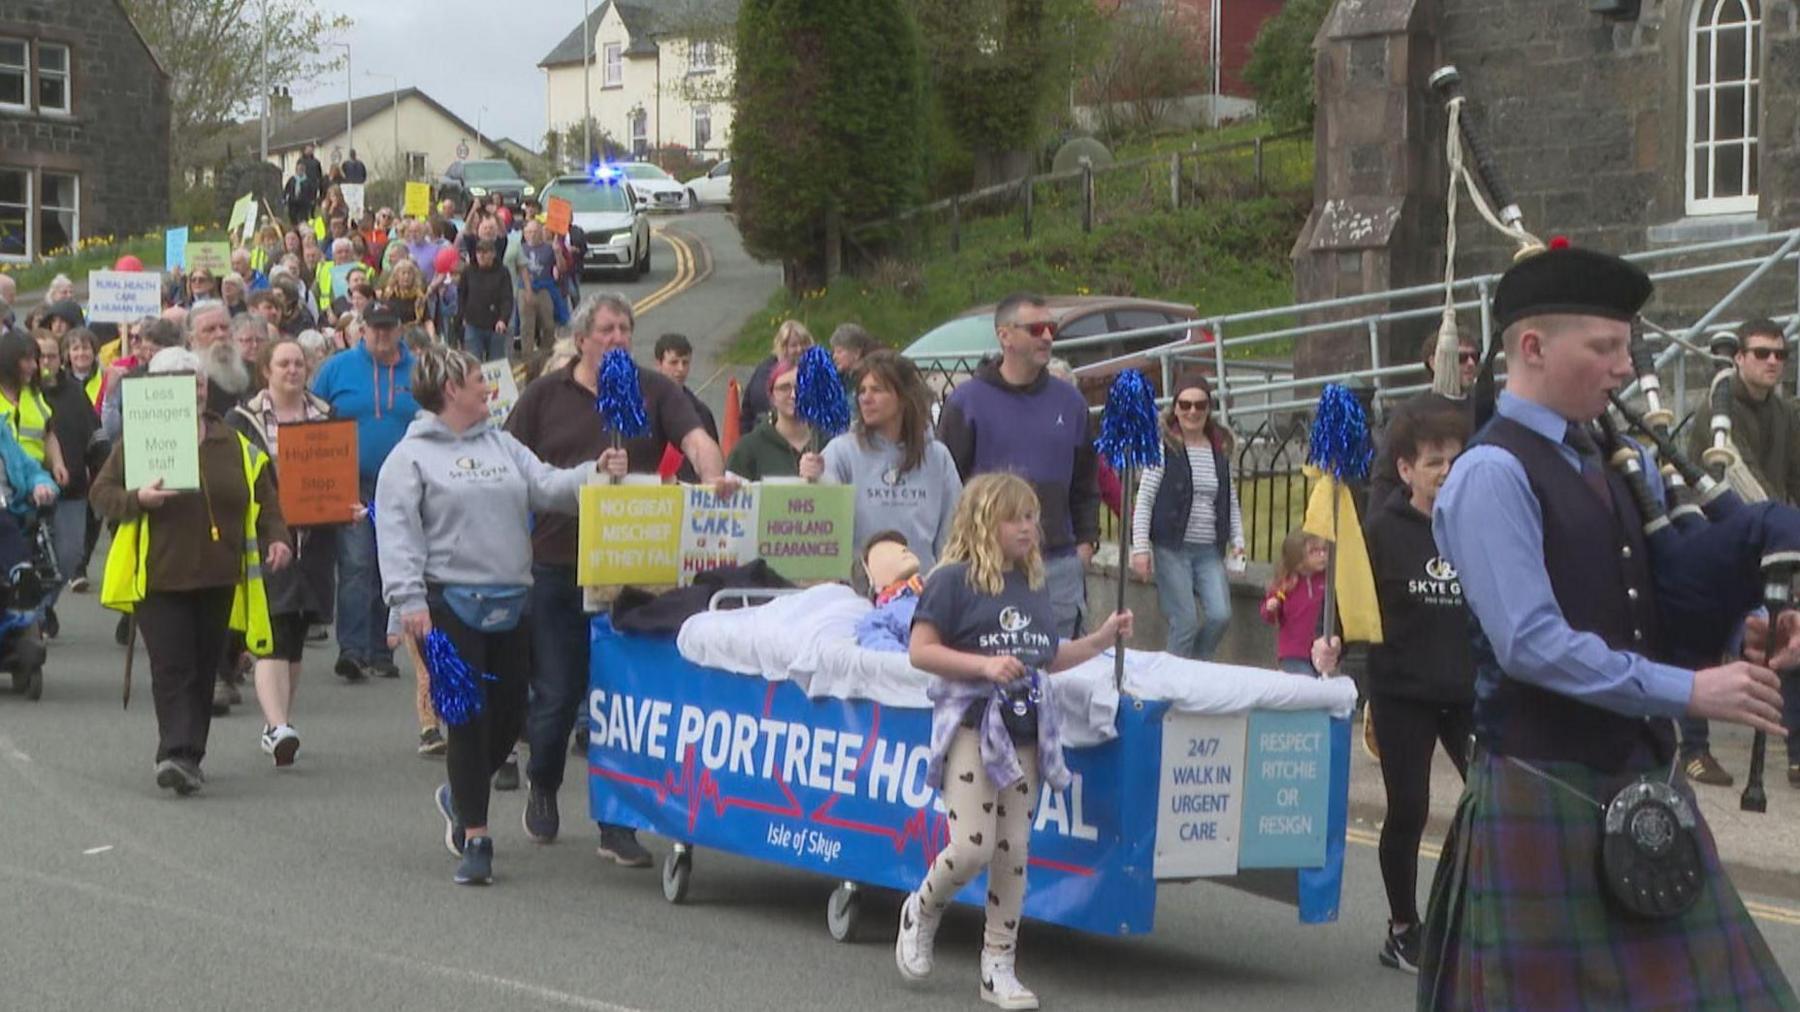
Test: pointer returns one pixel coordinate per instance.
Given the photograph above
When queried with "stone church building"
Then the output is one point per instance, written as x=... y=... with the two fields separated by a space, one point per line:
x=1625 y=125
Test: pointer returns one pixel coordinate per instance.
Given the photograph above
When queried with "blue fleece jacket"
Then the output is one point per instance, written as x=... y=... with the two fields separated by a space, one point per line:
x=377 y=397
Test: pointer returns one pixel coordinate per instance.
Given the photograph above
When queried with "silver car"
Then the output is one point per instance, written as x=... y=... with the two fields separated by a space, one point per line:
x=606 y=211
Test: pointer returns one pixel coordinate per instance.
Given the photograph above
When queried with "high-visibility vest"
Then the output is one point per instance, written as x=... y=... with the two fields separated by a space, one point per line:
x=92 y=388
x=322 y=283
x=259 y=260
x=318 y=227
x=29 y=420
x=127 y=565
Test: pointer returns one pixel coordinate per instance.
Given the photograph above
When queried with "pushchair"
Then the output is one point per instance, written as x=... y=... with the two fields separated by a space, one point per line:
x=27 y=591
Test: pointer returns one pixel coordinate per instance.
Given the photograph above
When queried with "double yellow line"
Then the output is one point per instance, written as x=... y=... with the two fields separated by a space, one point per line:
x=685 y=274
x=1761 y=911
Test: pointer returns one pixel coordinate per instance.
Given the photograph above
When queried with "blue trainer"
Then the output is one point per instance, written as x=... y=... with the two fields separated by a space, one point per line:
x=477 y=867
x=453 y=827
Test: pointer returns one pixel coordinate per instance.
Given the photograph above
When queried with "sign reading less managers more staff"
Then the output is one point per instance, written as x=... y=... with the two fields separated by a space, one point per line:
x=316 y=470
x=161 y=431
x=663 y=535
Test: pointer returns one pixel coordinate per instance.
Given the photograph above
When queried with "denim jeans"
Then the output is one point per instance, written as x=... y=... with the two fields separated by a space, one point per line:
x=559 y=674
x=1696 y=736
x=483 y=342
x=1185 y=575
x=362 y=616
x=69 y=531
x=1066 y=578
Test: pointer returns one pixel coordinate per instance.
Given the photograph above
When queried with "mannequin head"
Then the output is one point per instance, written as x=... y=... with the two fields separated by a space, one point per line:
x=888 y=560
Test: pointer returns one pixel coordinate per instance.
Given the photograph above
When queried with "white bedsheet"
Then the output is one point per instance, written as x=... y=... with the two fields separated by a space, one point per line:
x=809 y=638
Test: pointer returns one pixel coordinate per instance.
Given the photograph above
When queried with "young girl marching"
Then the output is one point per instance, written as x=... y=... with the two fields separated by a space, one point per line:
x=986 y=629
x=1295 y=598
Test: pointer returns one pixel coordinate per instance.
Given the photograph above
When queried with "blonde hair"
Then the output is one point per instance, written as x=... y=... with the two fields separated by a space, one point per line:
x=791 y=328
x=1293 y=555
x=988 y=501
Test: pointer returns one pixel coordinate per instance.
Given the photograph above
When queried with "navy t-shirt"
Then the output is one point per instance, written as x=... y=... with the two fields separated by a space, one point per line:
x=1018 y=622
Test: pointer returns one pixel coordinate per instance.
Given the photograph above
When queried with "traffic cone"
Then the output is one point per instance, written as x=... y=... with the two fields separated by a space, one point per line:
x=728 y=432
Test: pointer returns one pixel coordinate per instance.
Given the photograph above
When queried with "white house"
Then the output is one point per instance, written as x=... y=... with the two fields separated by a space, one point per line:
x=655 y=77
x=428 y=136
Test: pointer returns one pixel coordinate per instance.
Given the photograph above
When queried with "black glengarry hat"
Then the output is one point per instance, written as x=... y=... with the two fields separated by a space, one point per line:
x=1578 y=282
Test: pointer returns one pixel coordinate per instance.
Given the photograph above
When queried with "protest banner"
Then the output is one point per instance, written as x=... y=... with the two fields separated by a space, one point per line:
x=559 y=214
x=716 y=531
x=317 y=465
x=803 y=531
x=353 y=198
x=503 y=390
x=243 y=217
x=630 y=534
x=418 y=200
x=175 y=244
x=162 y=435
x=212 y=257
x=340 y=278
x=123 y=296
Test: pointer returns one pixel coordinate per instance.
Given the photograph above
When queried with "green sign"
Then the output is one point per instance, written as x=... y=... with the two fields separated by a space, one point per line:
x=212 y=257
x=162 y=435
x=805 y=531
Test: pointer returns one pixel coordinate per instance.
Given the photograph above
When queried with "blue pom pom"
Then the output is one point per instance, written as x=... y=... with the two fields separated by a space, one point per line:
x=620 y=400
x=1339 y=442
x=456 y=692
x=1129 y=435
x=819 y=397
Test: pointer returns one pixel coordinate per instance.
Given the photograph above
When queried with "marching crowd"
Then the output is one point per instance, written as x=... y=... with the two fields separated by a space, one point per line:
x=468 y=529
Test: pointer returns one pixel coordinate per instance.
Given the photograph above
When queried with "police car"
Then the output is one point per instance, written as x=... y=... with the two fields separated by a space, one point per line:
x=606 y=210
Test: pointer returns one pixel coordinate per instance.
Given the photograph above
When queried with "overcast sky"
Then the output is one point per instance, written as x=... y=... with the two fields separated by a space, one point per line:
x=464 y=53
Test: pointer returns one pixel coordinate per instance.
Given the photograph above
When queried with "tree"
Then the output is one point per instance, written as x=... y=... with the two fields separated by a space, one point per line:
x=1281 y=62
x=214 y=52
x=1147 y=63
x=829 y=124
x=997 y=66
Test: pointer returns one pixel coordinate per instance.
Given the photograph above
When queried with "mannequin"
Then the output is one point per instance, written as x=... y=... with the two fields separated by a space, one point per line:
x=894 y=589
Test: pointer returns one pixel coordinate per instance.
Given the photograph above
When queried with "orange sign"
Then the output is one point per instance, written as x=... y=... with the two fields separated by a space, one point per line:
x=559 y=214
x=316 y=470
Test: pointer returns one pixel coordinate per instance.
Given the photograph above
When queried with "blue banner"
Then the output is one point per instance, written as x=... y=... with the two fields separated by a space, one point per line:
x=837 y=787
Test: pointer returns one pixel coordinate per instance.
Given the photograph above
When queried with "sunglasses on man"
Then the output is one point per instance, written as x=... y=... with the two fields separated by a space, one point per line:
x=1041 y=328
x=1764 y=354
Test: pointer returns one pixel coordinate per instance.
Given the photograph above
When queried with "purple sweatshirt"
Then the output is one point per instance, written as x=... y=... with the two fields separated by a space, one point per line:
x=1039 y=431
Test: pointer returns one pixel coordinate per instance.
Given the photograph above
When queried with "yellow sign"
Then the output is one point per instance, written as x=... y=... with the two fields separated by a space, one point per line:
x=418 y=200
x=629 y=534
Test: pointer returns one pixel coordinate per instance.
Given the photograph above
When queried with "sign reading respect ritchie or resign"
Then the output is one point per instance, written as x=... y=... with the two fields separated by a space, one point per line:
x=663 y=535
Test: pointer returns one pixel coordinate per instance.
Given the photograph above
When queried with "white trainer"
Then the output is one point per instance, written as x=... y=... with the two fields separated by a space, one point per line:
x=999 y=986
x=912 y=948
x=281 y=742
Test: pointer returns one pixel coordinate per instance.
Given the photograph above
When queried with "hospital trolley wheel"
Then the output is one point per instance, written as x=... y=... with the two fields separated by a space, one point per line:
x=677 y=869
x=843 y=911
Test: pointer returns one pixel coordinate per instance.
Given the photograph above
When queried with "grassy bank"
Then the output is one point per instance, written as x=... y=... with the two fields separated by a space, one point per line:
x=97 y=253
x=1220 y=258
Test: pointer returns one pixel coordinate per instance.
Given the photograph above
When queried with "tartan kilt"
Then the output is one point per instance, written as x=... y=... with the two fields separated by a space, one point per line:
x=1519 y=918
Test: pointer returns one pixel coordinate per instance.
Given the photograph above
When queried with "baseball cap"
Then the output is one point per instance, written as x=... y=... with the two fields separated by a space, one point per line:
x=382 y=313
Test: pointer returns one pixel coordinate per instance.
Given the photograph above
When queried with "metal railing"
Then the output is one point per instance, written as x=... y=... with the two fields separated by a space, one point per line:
x=1260 y=396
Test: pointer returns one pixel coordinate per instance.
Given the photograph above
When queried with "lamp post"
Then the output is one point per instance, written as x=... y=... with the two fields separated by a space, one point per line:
x=399 y=161
x=349 y=121
x=587 y=88
x=480 y=138
x=265 y=80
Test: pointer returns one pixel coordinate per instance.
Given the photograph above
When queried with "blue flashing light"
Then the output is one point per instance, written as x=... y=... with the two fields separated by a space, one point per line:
x=601 y=172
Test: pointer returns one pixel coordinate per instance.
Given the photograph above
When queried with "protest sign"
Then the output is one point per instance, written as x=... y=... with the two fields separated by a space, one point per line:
x=212 y=257
x=629 y=534
x=162 y=436
x=716 y=531
x=418 y=200
x=804 y=531
x=243 y=217
x=175 y=243
x=123 y=296
x=353 y=198
x=317 y=465
x=559 y=214
x=340 y=278
x=503 y=390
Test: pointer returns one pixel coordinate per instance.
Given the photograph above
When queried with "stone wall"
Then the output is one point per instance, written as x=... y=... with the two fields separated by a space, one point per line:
x=117 y=134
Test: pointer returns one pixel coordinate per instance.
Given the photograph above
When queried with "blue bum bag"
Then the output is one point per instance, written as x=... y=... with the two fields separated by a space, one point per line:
x=493 y=608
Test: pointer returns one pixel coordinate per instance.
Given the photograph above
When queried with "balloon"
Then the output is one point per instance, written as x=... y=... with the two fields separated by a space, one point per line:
x=128 y=263
x=445 y=261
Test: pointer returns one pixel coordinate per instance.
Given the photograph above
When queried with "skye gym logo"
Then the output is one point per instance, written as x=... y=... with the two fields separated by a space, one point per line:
x=1013 y=620
x=1439 y=568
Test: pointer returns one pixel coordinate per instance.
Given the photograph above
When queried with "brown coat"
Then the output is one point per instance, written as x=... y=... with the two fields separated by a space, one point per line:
x=184 y=553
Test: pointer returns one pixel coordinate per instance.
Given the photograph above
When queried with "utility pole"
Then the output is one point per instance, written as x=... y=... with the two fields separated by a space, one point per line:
x=399 y=159
x=265 y=80
x=480 y=138
x=349 y=120
x=587 y=88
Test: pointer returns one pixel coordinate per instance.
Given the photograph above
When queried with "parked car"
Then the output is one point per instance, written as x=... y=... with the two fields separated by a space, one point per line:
x=606 y=210
x=712 y=188
x=464 y=181
x=656 y=189
x=950 y=352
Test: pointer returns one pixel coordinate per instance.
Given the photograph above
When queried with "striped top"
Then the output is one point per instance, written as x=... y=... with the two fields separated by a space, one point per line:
x=1200 y=526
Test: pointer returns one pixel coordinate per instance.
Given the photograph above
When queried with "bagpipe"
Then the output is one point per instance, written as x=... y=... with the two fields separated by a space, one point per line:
x=1719 y=549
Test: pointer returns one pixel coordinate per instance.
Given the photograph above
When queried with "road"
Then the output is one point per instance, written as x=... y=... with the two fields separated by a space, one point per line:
x=327 y=886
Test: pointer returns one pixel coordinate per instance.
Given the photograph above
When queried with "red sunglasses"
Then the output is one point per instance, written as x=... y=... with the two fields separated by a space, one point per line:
x=1042 y=328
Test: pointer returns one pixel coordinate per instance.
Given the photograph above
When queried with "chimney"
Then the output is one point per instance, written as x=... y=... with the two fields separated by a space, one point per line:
x=281 y=107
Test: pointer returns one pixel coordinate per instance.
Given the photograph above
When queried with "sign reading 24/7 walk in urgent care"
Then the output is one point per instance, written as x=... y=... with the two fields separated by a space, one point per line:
x=1200 y=795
